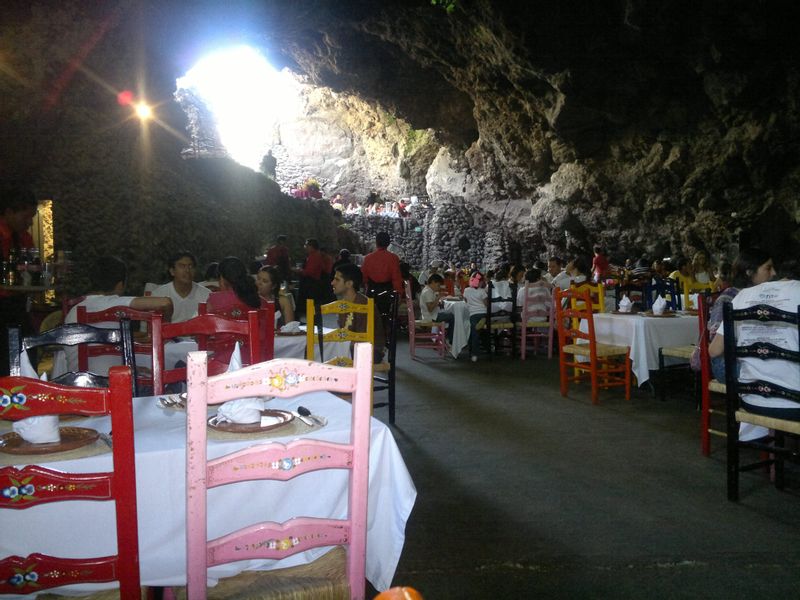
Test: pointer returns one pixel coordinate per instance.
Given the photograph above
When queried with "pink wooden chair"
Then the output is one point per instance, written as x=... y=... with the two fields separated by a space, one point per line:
x=202 y=328
x=420 y=332
x=282 y=378
x=536 y=324
x=34 y=485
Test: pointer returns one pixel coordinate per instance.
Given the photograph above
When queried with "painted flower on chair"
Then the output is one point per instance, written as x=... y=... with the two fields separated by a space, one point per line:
x=13 y=398
x=19 y=490
x=26 y=577
x=282 y=380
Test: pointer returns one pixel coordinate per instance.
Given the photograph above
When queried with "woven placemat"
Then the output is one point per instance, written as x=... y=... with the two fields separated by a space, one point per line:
x=295 y=427
x=93 y=449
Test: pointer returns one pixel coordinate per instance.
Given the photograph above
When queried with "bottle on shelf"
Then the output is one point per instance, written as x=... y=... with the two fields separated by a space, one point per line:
x=24 y=277
x=35 y=267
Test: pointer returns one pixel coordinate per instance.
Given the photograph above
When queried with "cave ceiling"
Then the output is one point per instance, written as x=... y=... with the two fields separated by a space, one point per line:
x=632 y=123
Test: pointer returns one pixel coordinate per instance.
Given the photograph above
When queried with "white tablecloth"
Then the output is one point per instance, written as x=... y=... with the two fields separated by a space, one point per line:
x=644 y=335
x=460 y=325
x=161 y=494
x=293 y=346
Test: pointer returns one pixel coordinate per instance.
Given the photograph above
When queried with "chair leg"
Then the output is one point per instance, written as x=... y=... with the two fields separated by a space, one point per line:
x=595 y=394
x=778 y=460
x=662 y=394
x=733 y=459
x=564 y=379
x=523 y=342
x=705 y=436
x=391 y=395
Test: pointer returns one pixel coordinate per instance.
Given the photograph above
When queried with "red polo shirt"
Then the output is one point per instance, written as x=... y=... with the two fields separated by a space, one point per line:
x=383 y=266
x=314 y=265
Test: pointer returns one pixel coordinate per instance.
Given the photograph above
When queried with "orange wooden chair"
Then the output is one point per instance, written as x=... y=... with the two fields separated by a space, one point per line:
x=34 y=485
x=599 y=364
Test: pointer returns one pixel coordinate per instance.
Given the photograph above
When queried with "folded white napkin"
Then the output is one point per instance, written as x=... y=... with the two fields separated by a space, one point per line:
x=625 y=304
x=242 y=410
x=693 y=302
x=659 y=306
x=291 y=327
x=277 y=317
x=36 y=430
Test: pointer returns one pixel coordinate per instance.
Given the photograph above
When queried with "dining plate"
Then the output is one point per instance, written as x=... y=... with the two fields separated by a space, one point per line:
x=289 y=334
x=667 y=314
x=271 y=417
x=619 y=312
x=71 y=438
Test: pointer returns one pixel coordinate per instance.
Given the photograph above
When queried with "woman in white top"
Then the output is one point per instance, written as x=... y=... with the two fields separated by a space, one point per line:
x=578 y=270
x=701 y=267
x=477 y=299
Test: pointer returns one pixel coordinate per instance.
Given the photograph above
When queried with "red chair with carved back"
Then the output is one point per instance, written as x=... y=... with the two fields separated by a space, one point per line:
x=239 y=312
x=204 y=328
x=281 y=462
x=34 y=485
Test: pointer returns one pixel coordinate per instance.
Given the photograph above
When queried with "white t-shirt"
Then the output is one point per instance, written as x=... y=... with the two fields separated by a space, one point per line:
x=183 y=309
x=561 y=280
x=98 y=303
x=784 y=295
x=426 y=296
x=476 y=300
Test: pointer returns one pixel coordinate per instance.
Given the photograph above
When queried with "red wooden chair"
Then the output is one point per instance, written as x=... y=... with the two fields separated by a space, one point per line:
x=113 y=315
x=204 y=328
x=599 y=364
x=535 y=325
x=421 y=333
x=34 y=485
x=708 y=385
x=266 y=327
x=281 y=462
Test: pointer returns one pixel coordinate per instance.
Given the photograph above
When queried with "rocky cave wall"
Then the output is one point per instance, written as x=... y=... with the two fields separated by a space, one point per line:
x=650 y=127
x=120 y=188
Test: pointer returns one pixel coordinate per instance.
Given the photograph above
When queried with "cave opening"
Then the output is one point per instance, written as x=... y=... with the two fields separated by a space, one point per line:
x=243 y=98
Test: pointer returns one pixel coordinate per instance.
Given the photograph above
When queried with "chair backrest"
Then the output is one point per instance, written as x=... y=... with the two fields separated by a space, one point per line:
x=501 y=307
x=75 y=334
x=282 y=378
x=578 y=306
x=750 y=343
x=345 y=333
x=204 y=328
x=703 y=310
x=536 y=303
x=386 y=303
x=34 y=485
x=669 y=290
x=113 y=314
x=597 y=294
x=266 y=325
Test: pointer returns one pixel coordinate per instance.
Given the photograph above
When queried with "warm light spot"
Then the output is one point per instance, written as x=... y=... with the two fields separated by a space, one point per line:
x=248 y=98
x=144 y=111
x=125 y=97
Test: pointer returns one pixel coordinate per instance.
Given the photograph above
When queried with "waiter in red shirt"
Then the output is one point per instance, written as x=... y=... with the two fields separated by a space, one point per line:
x=17 y=207
x=278 y=256
x=381 y=271
x=311 y=276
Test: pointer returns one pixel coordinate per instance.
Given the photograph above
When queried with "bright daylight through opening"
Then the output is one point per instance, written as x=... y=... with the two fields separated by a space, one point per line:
x=248 y=98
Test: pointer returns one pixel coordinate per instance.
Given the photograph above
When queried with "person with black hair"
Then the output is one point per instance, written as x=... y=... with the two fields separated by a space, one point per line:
x=430 y=303
x=17 y=207
x=312 y=283
x=238 y=290
x=186 y=295
x=107 y=278
x=347 y=281
x=269 y=282
x=381 y=268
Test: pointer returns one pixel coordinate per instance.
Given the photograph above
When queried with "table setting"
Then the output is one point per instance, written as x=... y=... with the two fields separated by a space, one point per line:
x=160 y=440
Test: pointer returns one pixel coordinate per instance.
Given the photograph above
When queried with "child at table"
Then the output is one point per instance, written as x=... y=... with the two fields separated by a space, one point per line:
x=477 y=300
x=539 y=295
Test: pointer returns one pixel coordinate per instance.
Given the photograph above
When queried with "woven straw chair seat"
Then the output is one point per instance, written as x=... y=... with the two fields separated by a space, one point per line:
x=716 y=386
x=742 y=416
x=679 y=351
x=602 y=349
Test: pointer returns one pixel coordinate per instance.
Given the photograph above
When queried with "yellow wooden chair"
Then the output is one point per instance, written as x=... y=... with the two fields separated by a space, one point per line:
x=341 y=334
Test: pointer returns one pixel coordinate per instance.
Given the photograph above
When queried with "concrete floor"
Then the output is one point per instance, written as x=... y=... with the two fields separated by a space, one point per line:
x=524 y=493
